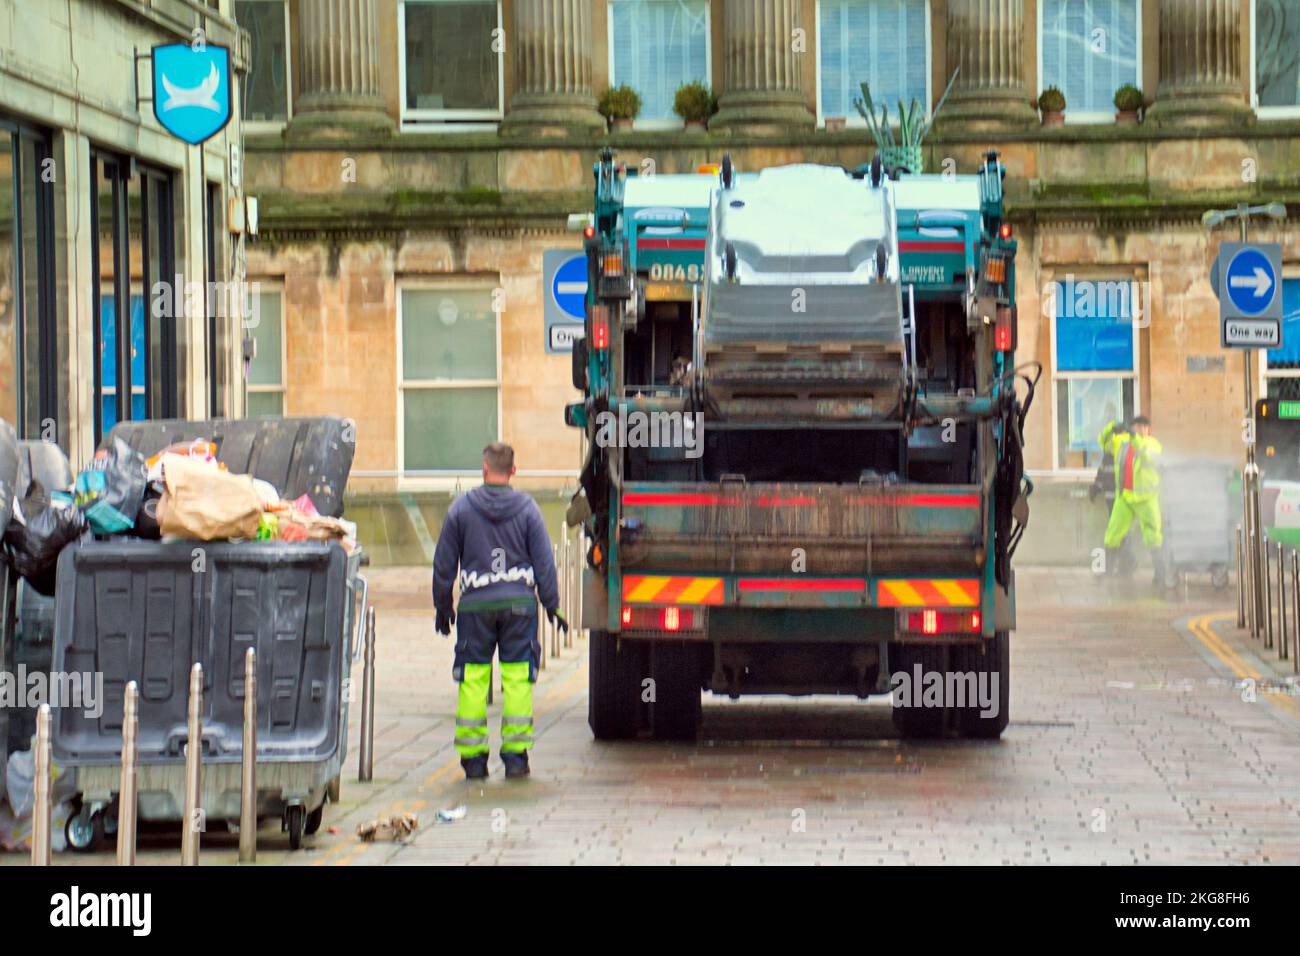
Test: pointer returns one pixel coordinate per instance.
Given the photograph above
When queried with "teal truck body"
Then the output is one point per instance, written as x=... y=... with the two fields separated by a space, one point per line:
x=803 y=467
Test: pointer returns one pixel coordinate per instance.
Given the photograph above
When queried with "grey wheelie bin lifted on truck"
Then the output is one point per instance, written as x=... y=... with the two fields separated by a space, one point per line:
x=146 y=611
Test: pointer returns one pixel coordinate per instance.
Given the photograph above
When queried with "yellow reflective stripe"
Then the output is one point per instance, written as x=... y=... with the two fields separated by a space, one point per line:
x=905 y=593
x=953 y=592
x=697 y=589
x=647 y=588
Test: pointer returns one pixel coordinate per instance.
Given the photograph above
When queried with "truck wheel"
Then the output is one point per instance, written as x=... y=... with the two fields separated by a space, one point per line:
x=915 y=722
x=675 y=711
x=614 y=686
x=993 y=659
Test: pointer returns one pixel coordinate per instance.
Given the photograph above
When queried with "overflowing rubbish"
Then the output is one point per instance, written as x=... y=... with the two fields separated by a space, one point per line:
x=397 y=827
x=20 y=795
x=111 y=490
x=452 y=815
x=41 y=525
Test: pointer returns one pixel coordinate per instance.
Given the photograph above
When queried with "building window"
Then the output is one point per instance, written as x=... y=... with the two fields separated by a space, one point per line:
x=1282 y=366
x=267 y=93
x=1089 y=49
x=133 y=257
x=657 y=45
x=884 y=43
x=29 y=361
x=1094 y=363
x=449 y=381
x=451 y=54
x=1276 y=52
x=266 y=370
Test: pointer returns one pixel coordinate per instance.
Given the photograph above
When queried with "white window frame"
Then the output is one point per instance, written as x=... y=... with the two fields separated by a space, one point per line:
x=1264 y=112
x=1092 y=274
x=447 y=120
x=668 y=122
x=277 y=287
x=855 y=118
x=415 y=478
x=1090 y=117
x=269 y=126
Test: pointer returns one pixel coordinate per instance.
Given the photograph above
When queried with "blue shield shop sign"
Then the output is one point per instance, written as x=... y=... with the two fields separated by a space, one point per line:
x=191 y=90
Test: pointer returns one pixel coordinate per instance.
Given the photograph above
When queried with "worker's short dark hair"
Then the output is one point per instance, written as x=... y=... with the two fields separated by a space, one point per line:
x=1142 y=420
x=499 y=458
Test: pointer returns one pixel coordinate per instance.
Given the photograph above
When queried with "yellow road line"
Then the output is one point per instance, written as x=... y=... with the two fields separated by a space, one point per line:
x=1203 y=628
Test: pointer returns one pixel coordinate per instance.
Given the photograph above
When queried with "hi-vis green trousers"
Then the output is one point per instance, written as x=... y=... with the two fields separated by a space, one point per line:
x=509 y=628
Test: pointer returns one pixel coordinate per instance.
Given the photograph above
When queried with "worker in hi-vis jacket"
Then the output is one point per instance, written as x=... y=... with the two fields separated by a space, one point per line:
x=494 y=542
x=1137 y=488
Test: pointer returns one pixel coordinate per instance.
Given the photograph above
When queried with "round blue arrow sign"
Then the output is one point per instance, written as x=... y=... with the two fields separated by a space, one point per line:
x=569 y=287
x=1251 y=281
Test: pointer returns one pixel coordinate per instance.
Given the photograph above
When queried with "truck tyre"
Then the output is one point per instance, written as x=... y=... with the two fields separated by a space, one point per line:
x=614 y=680
x=675 y=710
x=917 y=722
x=993 y=658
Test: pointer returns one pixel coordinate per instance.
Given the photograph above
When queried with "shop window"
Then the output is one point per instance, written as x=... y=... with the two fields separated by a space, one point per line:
x=265 y=325
x=657 y=45
x=266 y=94
x=1089 y=49
x=884 y=43
x=451 y=53
x=139 y=335
x=1094 y=363
x=449 y=378
x=29 y=364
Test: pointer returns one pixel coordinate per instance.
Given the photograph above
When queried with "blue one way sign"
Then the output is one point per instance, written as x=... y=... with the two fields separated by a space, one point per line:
x=564 y=297
x=1250 y=294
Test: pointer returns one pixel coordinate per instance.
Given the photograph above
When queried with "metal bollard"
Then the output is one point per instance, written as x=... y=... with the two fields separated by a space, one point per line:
x=248 y=766
x=1252 y=607
x=191 y=820
x=492 y=675
x=1281 y=602
x=555 y=630
x=126 y=793
x=1241 y=581
x=1266 y=575
x=582 y=564
x=366 y=762
x=42 y=811
x=541 y=637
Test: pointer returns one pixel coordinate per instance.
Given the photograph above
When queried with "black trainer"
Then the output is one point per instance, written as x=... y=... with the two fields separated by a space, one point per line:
x=476 y=768
x=516 y=765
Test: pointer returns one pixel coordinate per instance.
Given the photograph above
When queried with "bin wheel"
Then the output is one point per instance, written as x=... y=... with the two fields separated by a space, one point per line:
x=293 y=822
x=314 y=820
x=1219 y=576
x=85 y=831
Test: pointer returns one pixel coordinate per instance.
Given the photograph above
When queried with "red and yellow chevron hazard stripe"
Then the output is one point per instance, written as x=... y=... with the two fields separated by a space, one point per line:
x=928 y=592
x=664 y=589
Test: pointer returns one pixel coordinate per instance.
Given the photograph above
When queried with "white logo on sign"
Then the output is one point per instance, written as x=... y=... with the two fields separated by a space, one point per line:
x=203 y=96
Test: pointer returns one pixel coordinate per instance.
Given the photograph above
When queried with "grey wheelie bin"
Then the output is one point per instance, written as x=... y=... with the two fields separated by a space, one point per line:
x=133 y=609
x=1199 y=515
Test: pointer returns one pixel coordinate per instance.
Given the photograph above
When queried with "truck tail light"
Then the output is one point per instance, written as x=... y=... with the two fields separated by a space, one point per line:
x=600 y=328
x=612 y=264
x=995 y=270
x=934 y=621
x=671 y=619
x=1004 y=329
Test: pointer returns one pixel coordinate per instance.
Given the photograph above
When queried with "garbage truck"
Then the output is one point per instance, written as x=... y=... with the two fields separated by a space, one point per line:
x=802 y=469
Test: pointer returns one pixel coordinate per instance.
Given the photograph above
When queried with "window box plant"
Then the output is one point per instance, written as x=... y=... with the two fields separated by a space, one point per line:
x=694 y=103
x=1128 y=101
x=1051 y=103
x=620 y=106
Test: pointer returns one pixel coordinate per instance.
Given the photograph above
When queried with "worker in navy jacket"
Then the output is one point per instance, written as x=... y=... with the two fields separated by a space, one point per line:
x=494 y=543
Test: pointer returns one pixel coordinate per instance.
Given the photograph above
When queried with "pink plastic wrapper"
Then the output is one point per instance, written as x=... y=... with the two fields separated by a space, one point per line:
x=304 y=504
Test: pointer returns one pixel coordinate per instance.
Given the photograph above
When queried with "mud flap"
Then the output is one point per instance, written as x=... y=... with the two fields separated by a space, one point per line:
x=595 y=601
x=1004 y=605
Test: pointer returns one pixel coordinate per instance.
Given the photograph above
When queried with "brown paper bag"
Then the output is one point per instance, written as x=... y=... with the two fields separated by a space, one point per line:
x=207 y=503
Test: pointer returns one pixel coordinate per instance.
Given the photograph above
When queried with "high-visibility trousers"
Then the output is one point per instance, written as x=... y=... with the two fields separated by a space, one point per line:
x=1145 y=509
x=510 y=632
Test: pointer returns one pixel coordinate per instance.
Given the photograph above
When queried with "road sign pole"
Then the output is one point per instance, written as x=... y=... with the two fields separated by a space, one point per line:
x=1250 y=474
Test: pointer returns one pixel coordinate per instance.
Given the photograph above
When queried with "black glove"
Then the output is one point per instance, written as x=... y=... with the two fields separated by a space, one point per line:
x=445 y=620
x=555 y=617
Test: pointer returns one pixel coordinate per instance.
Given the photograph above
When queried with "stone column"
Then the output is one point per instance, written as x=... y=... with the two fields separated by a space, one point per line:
x=761 y=88
x=550 y=52
x=337 y=59
x=986 y=45
x=1201 y=71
